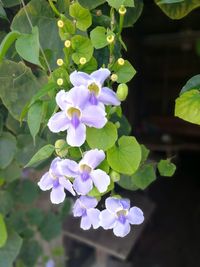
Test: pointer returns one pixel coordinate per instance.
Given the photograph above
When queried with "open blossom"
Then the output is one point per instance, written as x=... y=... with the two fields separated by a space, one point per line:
x=54 y=179
x=75 y=115
x=94 y=85
x=118 y=216
x=84 y=207
x=85 y=173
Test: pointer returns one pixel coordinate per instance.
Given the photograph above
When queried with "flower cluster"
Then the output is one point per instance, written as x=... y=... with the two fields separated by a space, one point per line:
x=84 y=105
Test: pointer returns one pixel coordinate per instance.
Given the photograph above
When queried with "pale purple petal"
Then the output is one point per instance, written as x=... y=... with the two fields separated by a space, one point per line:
x=50 y=263
x=57 y=194
x=94 y=116
x=135 y=216
x=93 y=158
x=78 y=209
x=93 y=215
x=100 y=179
x=121 y=230
x=113 y=204
x=76 y=137
x=108 y=97
x=125 y=203
x=85 y=223
x=88 y=202
x=58 y=122
x=46 y=182
x=61 y=99
x=67 y=185
x=78 y=96
x=69 y=168
x=107 y=219
x=78 y=78
x=100 y=75
x=82 y=187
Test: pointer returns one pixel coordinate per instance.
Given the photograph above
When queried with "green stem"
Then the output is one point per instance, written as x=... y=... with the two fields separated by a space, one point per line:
x=55 y=10
x=121 y=23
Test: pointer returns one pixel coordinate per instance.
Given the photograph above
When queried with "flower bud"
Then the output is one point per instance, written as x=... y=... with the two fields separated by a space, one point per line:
x=122 y=91
x=121 y=61
x=67 y=43
x=117 y=124
x=114 y=77
x=122 y=10
x=60 y=81
x=60 y=62
x=115 y=176
x=61 y=148
x=110 y=38
x=82 y=60
x=60 y=23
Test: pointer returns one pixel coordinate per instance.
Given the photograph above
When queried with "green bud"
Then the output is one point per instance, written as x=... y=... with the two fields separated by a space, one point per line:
x=61 y=148
x=117 y=124
x=115 y=176
x=122 y=91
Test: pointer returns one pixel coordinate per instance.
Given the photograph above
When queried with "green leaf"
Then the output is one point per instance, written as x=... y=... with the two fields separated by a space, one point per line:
x=90 y=66
x=34 y=118
x=95 y=192
x=11 y=249
x=7 y=148
x=6 y=202
x=124 y=72
x=28 y=46
x=30 y=252
x=145 y=153
x=10 y=3
x=133 y=13
x=127 y=183
x=117 y=3
x=26 y=192
x=3 y=231
x=7 y=42
x=193 y=83
x=177 y=10
x=18 y=86
x=44 y=153
x=2 y=12
x=170 y=1
x=103 y=138
x=82 y=47
x=12 y=172
x=104 y=166
x=126 y=156
x=144 y=176
x=35 y=216
x=98 y=37
x=166 y=168
x=187 y=106
x=82 y=16
x=91 y=4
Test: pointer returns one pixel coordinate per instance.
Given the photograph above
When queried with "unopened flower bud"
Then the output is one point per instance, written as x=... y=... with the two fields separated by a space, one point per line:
x=117 y=124
x=60 y=81
x=82 y=60
x=60 y=62
x=67 y=43
x=115 y=176
x=120 y=61
x=122 y=10
x=110 y=38
x=60 y=23
x=61 y=148
x=122 y=91
x=114 y=77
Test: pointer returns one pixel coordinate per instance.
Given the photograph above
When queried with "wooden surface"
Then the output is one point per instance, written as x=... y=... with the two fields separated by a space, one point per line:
x=104 y=239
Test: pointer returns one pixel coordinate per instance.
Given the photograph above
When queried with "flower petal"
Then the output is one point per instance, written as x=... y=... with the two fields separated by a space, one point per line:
x=108 y=97
x=67 y=185
x=57 y=194
x=107 y=219
x=58 y=122
x=93 y=158
x=100 y=179
x=76 y=137
x=78 y=78
x=88 y=202
x=61 y=99
x=100 y=75
x=135 y=216
x=46 y=182
x=85 y=223
x=113 y=204
x=78 y=96
x=94 y=116
x=125 y=203
x=78 y=209
x=93 y=215
x=121 y=230
x=81 y=187
x=69 y=168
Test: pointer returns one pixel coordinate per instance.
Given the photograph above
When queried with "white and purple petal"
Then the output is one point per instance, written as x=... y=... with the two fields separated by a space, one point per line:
x=78 y=97
x=108 y=97
x=94 y=116
x=93 y=158
x=100 y=179
x=67 y=185
x=135 y=216
x=82 y=187
x=100 y=75
x=46 y=182
x=76 y=136
x=69 y=168
x=61 y=100
x=121 y=230
x=85 y=223
x=57 y=195
x=93 y=215
x=78 y=78
x=88 y=202
x=58 y=122
x=113 y=205
x=107 y=219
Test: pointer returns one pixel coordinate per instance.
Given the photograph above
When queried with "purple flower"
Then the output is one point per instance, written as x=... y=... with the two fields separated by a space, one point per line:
x=75 y=114
x=85 y=174
x=118 y=216
x=84 y=207
x=50 y=263
x=55 y=179
x=94 y=84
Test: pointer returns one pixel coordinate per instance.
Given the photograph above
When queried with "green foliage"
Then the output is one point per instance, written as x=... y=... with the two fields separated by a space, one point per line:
x=34 y=118
x=26 y=192
x=30 y=252
x=126 y=156
x=117 y=3
x=2 y=12
x=187 y=106
x=91 y=4
x=10 y=3
x=133 y=13
x=177 y=9
x=44 y=153
x=6 y=202
x=124 y=72
x=145 y=153
x=82 y=48
x=35 y=216
x=103 y=138
x=12 y=172
x=3 y=231
x=98 y=37
x=166 y=168
x=193 y=83
x=7 y=148
x=7 y=42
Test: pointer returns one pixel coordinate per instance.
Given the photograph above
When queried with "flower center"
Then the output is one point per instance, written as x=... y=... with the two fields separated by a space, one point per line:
x=56 y=183
x=94 y=88
x=121 y=214
x=85 y=172
x=74 y=114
